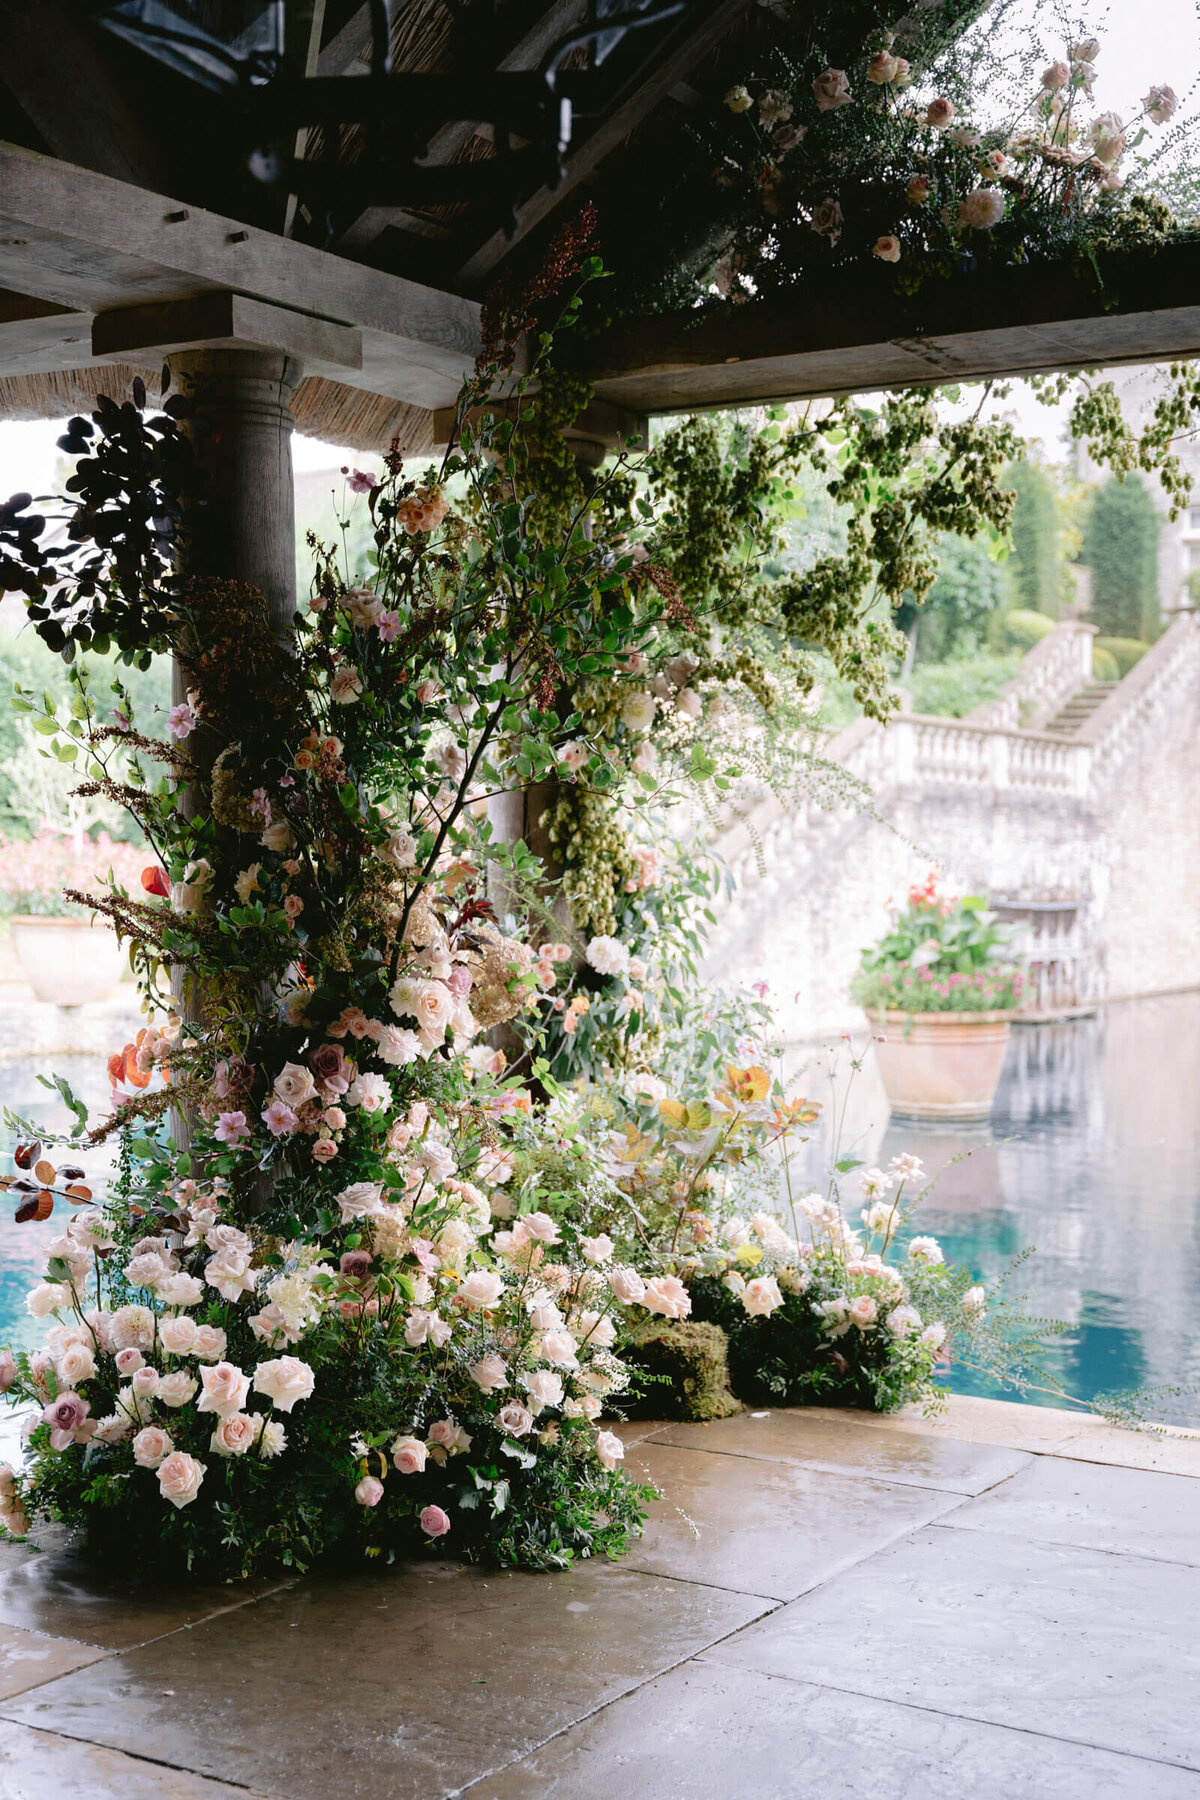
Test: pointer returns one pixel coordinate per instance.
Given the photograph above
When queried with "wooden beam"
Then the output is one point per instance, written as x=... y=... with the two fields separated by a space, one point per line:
x=861 y=337
x=582 y=162
x=218 y=321
x=346 y=49
x=309 y=66
x=90 y=244
x=601 y=426
x=61 y=77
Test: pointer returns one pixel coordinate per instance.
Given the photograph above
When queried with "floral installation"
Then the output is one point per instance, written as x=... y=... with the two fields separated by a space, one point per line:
x=926 y=143
x=941 y=954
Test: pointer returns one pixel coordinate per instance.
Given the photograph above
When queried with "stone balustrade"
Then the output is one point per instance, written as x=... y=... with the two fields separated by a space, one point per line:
x=1049 y=674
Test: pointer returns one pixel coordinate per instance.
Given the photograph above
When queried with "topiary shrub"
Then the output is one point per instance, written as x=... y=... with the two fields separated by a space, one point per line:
x=1105 y=666
x=1124 y=651
x=1018 y=629
x=688 y=1362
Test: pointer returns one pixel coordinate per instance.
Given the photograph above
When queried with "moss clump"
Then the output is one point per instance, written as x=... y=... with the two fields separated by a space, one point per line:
x=688 y=1363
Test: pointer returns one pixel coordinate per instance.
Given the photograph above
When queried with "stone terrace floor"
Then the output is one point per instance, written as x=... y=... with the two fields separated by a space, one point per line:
x=999 y=1606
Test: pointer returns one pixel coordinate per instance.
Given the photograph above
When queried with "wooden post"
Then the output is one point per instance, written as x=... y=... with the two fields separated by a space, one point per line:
x=242 y=426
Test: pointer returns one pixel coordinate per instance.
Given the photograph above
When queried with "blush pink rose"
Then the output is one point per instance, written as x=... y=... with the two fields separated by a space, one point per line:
x=667 y=1295
x=225 y=1389
x=234 y=1434
x=179 y=1478
x=409 y=1455
x=369 y=1491
x=284 y=1381
x=514 y=1418
x=151 y=1446
x=434 y=1522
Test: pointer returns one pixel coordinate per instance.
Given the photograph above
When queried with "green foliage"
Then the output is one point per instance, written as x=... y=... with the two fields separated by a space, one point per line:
x=969 y=589
x=1120 y=547
x=1105 y=666
x=1018 y=630
x=1035 y=568
x=1125 y=652
x=941 y=955
x=953 y=689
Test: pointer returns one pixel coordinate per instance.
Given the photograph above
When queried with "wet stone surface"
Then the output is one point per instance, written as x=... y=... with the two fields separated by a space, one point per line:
x=838 y=1446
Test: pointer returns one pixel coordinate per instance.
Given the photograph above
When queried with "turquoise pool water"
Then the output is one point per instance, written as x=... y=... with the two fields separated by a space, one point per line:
x=1092 y=1156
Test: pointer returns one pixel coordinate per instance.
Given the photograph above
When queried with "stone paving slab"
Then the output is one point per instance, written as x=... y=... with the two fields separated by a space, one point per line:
x=39 y=1765
x=61 y=1594
x=840 y=1447
x=27 y=1659
x=1070 y=1643
x=1044 y=1430
x=766 y=1528
x=1059 y=1501
x=401 y=1685
x=709 y=1733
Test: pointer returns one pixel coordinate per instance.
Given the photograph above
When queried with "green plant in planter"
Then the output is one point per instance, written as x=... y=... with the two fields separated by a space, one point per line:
x=941 y=955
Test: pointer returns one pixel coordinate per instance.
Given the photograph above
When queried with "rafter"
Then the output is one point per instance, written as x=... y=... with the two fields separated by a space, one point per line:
x=583 y=162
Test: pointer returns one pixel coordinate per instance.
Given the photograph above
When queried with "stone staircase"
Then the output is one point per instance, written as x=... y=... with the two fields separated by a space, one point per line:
x=1080 y=707
x=1039 y=798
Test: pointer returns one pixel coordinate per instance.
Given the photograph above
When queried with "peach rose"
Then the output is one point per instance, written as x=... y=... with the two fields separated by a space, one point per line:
x=179 y=1478
x=667 y=1295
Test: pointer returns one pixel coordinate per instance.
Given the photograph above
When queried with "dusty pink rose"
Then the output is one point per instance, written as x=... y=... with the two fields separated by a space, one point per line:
x=179 y=1478
x=939 y=114
x=151 y=1446
x=863 y=1311
x=434 y=1522
x=328 y=1062
x=225 y=1389
x=409 y=1455
x=67 y=1412
x=284 y=1381
x=129 y=1361
x=369 y=1491
x=324 y=1150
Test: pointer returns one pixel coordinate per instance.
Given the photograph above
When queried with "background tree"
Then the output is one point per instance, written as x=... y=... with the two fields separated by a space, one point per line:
x=1036 y=566
x=1120 y=547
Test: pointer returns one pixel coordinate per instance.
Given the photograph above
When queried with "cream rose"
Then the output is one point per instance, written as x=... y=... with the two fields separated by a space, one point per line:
x=176 y=1389
x=543 y=1387
x=77 y=1363
x=294 y=1085
x=609 y=1449
x=178 y=1335
x=482 y=1287
x=515 y=1419
x=179 y=1478
x=761 y=1296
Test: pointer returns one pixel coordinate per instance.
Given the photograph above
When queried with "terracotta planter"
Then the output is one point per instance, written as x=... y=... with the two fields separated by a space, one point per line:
x=68 y=962
x=941 y=1065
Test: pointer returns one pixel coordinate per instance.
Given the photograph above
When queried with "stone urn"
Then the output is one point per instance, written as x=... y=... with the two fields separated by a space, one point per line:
x=67 y=962
x=941 y=1065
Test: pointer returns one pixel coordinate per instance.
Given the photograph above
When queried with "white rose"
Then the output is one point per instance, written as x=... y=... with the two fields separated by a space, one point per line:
x=76 y=1364
x=284 y=1381
x=181 y=1290
x=48 y=1297
x=627 y=1285
x=639 y=710
x=400 y=850
x=543 y=1387
x=609 y=1448
x=360 y=1199
x=277 y=836
x=597 y=1249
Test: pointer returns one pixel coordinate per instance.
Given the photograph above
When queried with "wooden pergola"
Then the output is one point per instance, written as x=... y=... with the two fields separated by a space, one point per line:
x=125 y=243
